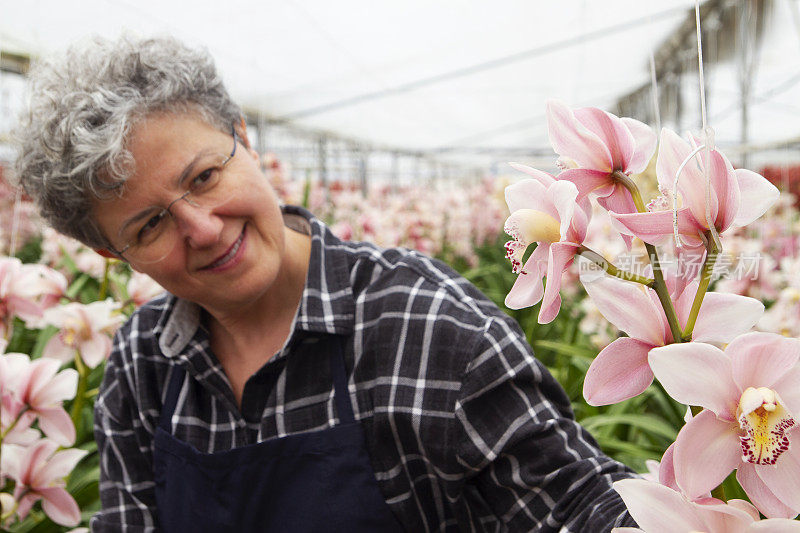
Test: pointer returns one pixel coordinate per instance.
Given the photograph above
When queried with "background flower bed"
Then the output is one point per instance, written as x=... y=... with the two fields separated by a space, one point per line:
x=460 y=224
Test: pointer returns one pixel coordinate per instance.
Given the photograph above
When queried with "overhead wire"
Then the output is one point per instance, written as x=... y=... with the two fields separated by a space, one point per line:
x=483 y=66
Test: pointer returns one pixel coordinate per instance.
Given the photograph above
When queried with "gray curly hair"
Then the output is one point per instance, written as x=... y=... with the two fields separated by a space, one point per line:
x=72 y=139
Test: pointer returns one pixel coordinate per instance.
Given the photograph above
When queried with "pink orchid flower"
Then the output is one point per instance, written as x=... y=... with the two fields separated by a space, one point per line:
x=41 y=389
x=600 y=143
x=728 y=188
x=27 y=290
x=543 y=211
x=750 y=398
x=15 y=418
x=142 y=288
x=621 y=370
x=659 y=509
x=85 y=328
x=39 y=473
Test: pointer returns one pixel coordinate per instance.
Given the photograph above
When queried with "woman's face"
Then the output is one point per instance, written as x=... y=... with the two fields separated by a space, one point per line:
x=221 y=257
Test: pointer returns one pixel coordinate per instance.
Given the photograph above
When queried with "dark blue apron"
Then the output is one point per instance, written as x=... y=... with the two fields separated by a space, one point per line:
x=315 y=481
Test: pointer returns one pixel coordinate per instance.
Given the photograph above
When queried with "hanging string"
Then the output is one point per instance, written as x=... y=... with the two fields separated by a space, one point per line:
x=654 y=92
x=708 y=145
x=15 y=222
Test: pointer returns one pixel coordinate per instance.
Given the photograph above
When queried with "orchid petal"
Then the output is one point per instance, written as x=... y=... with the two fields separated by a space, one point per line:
x=695 y=373
x=692 y=182
x=542 y=177
x=618 y=201
x=60 y=387
x=648 y=503
x=612 y=131
x=627 y=306
x=745 y=506
x=26 y=503
x=57 y=425
x=706 y=451
x=572 y=139
x=564 y=195
x=666 y=469
x=786 y=387
x=645 y=145
x=720 y=516
x=620 y=371
x=561 y=255
x=760 y=359
x=725 y=316
x=60 y=506
x=775 y=525
x=528 y=289
x=782 y=477
x=95 y=350
x=12 y=460
x=672 y=150
x=725 y=188
x=758 y=492
x=760 y=195
x=59 y=466
x=529 y=194
x=588 y=181
x=654 y=226
x=56 y=349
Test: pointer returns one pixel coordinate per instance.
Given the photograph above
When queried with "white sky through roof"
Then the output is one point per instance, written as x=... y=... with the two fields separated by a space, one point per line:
x=287 y=57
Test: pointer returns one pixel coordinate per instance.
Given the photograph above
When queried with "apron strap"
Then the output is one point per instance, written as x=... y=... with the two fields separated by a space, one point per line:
x=341 y=395
x=171 y=400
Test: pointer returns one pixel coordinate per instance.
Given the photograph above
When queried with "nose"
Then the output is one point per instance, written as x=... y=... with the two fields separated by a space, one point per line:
x=199 y=226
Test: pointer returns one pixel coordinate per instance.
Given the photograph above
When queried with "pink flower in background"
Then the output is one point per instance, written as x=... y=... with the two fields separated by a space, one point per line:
x=39 y=390
x=59 y=250
x=142 y=288
x=543 y=211
x=13 y=368
x=750 y=398
x=41 y=285
x=659 y=509
x=27 y=290
x=85 y=328
x=729 y=188
x=621 y=370
x=39 y=471
x=600 y=144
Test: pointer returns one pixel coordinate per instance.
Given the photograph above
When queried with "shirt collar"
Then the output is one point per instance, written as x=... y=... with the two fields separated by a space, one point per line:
x=327 y=304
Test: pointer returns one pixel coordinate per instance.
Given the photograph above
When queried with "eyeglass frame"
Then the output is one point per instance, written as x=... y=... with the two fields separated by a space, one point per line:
x=183 y=196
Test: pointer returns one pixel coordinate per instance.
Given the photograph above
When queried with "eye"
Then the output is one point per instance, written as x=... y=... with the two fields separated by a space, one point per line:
x=151 y=227
x=205 y=179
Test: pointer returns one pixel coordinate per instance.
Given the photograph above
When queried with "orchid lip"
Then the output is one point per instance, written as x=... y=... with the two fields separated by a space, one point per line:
x=229 y=254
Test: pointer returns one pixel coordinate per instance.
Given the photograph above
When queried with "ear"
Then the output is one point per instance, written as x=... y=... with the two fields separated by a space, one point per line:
x=241 y=131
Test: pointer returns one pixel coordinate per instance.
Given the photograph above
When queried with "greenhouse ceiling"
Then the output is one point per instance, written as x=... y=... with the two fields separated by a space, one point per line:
x=463 y=80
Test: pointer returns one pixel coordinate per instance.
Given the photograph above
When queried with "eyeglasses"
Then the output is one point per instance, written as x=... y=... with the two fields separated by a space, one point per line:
x=152 y=237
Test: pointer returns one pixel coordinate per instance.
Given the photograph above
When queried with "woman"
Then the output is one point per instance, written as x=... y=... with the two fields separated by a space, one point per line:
x=288 y=381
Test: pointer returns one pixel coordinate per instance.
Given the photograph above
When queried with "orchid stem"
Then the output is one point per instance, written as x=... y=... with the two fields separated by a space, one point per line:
x=628 y=183
x=658 y=285
x=712 y=249
x=104 y=285
x=610 y=269
x=80 y=395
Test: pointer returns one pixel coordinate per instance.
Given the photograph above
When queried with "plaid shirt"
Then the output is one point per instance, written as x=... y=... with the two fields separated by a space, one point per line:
x=465 y=429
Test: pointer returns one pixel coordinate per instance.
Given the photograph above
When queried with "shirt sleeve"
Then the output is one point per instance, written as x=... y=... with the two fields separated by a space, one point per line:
x=527 y=457
x=124 y=442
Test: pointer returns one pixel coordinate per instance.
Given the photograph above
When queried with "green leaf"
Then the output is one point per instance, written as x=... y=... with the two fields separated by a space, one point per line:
x=565 y=348
x=648 y=423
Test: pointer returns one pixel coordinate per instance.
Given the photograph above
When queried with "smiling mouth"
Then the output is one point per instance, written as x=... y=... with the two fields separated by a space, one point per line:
x=230 y=254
